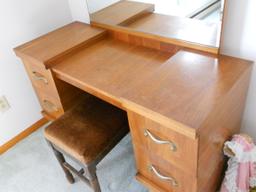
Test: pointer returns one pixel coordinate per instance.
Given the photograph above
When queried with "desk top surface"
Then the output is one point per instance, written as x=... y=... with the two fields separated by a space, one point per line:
x=184 y=87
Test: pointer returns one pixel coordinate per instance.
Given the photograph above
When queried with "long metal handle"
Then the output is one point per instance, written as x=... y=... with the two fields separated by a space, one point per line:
x=39 y=77
x=160 y=142
x=162 y=177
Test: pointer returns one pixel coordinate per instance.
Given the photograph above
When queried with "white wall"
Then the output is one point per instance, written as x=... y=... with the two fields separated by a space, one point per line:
x=240 y=41
x=79 y=10
x=20 y=22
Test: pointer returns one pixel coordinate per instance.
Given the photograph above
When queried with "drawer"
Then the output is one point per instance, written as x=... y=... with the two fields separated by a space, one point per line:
x=42 y=79
x=45 y=88
x=162 y=174
x=50 y=106
x=171 y=146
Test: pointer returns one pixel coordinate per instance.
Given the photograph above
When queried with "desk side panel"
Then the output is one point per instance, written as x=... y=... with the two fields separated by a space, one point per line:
x=223 y=122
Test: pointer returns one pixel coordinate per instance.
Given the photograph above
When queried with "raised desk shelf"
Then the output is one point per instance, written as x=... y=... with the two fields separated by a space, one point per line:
x=54 y=45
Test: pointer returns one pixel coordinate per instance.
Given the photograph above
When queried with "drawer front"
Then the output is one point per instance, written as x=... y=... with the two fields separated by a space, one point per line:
x=50 y=106
x=162 y=174
x=42 y=79
x=171 y=146
x=45 y=88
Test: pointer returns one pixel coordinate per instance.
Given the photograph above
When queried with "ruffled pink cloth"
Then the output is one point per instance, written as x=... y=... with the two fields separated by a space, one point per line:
x=241 y=173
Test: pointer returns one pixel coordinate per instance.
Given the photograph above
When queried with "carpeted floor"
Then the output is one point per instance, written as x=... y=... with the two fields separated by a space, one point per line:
x=31 y=167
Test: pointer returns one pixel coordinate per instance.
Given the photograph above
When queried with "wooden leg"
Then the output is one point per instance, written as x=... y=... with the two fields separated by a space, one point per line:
x=61 y=161
x=95 y=185
x=93 y=179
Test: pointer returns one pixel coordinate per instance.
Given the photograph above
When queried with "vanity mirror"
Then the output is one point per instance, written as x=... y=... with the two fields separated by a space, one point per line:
x=184 y=23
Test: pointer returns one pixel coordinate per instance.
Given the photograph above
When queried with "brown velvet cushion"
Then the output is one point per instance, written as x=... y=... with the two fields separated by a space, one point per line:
x=88 y=129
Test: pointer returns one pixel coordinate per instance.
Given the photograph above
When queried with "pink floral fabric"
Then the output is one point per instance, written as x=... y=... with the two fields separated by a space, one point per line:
x=241 y=172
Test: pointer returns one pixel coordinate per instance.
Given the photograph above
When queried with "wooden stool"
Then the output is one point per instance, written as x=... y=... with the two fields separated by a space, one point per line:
x=86 y=133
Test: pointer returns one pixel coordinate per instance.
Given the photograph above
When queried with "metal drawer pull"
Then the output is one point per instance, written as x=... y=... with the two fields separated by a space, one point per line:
x=50 y=105
x=160 y=142
x=39 y=77
x=151 y=168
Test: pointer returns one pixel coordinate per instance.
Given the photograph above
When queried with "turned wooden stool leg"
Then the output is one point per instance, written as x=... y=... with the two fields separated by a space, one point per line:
x=95 y=185
x=61 y=161
x=93 y=179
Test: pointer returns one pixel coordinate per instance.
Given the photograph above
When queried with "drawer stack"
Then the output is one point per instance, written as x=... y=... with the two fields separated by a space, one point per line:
x=166 y=160
x=39 y=55
x=45 y=88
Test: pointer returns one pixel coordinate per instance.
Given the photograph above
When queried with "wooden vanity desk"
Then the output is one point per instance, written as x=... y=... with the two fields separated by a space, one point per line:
x=181 y=105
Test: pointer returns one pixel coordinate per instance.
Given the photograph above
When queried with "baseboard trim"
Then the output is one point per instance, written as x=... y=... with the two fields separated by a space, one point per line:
x=5 y=147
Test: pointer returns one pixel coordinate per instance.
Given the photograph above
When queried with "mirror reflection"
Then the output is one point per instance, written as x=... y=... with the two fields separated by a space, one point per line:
x=197 y=21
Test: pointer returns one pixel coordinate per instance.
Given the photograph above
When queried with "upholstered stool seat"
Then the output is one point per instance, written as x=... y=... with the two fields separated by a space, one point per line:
x=87 y=133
